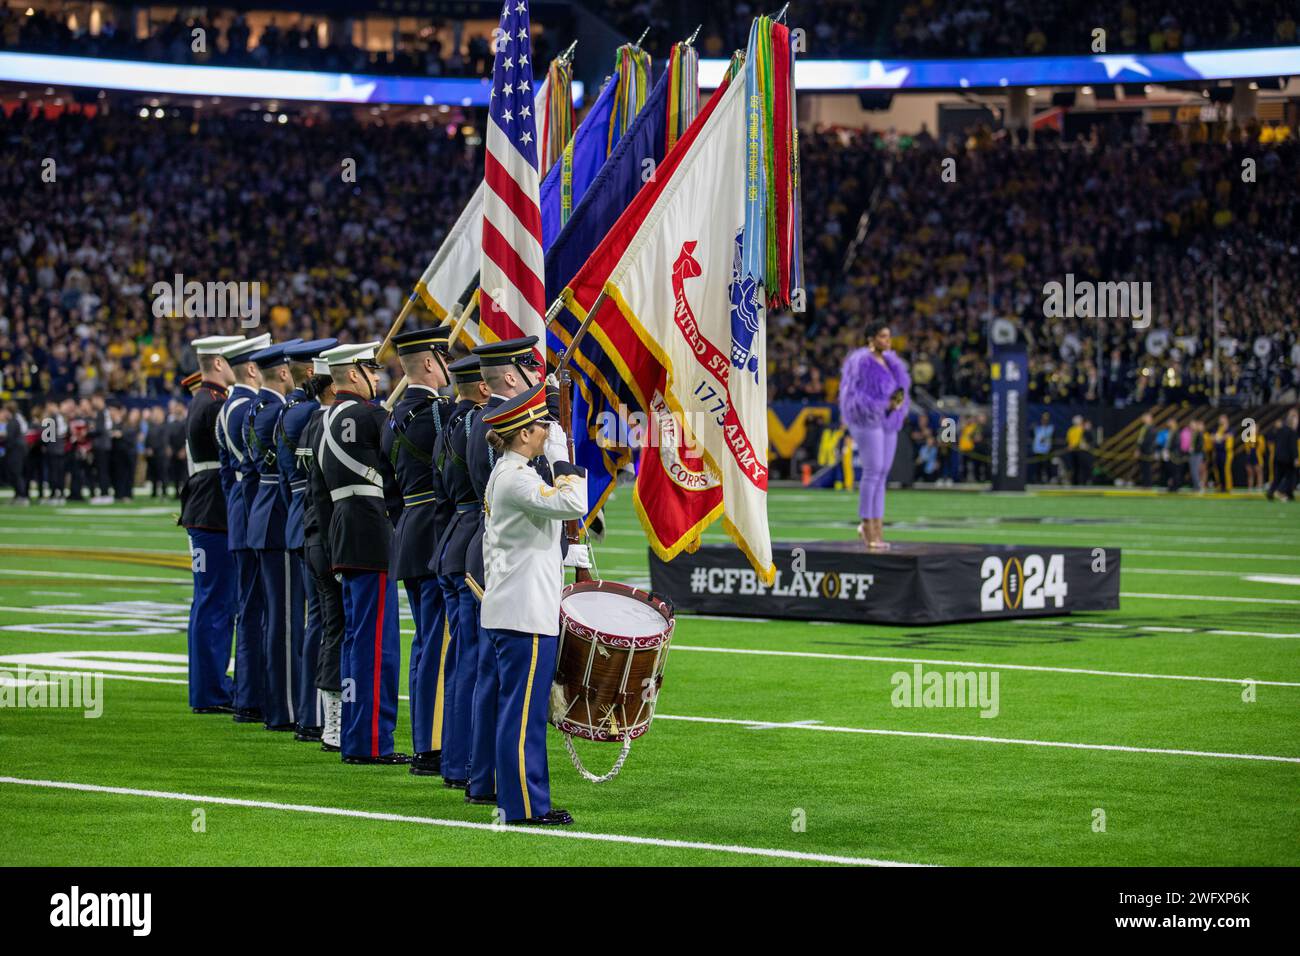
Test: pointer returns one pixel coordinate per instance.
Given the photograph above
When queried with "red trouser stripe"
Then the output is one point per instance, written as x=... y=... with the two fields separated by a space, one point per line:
x=379 y=663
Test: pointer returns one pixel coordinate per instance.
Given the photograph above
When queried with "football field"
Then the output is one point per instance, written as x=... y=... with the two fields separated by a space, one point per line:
x=1164 y=733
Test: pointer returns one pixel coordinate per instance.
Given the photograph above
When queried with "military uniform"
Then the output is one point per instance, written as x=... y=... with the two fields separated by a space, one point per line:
x=413 y=428
x=203 y=515
x=280 y=576
x=452 y=481
x=299 y=407
x=361 y=489
x=235 y=469
x=317 y=509
x=521 y=605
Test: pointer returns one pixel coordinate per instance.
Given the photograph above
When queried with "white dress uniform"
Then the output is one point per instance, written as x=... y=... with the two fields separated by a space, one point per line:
x=521 y=543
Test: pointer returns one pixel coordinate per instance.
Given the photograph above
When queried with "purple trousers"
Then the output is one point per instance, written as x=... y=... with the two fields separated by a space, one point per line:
x=876 y=447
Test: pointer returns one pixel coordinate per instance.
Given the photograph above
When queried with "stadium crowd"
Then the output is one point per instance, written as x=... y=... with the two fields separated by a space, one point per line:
x=232 y=198
x=228 y=40
x=940 y=258
x=943 y=28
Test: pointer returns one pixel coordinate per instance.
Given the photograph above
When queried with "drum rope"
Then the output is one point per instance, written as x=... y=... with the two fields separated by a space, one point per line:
x=613 y=771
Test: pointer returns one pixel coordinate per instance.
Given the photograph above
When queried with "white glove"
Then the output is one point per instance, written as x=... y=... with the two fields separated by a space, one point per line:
x=552 y=380
x=579 y=556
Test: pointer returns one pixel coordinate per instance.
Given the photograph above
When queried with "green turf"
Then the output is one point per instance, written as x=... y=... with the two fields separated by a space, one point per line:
x=832 y=792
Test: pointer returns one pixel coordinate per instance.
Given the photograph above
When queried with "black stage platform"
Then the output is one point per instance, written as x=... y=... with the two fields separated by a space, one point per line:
x=912 y=583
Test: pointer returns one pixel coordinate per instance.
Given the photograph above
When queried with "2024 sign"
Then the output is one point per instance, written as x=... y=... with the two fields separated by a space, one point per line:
x=1012 y=585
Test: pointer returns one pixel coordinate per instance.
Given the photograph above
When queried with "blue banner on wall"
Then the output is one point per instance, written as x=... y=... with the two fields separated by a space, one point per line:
x=1009 y=372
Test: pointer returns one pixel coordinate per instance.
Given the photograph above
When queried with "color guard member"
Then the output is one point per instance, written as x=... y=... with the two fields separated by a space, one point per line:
x=524 y=575
x=203 y=515
x=234 y=468
x=362 y=493
x=414 y=426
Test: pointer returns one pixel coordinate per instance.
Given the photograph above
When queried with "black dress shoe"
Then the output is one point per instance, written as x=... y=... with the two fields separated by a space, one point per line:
x=215 y=709
x=329 y=748
x=308 y=735
x=248 y=716
x=428 y=763
x=281 y=728
x=487 y=800
x=381 y=759
x=454 y=784
x=551 y=818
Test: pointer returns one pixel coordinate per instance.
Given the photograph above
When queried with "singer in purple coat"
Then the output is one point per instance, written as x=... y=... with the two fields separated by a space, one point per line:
x=874 y=386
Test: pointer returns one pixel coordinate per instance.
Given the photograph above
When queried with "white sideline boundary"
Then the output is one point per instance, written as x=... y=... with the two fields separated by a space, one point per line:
x=551 y=832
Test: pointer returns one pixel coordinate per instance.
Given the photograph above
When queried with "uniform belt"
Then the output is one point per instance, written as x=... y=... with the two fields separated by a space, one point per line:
x=197 y=466
x=420 y=498
x=347 y=491
x=468 y=507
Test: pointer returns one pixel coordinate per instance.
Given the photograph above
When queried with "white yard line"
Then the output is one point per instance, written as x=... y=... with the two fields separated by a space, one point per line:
x=814 y=725
x=91 y=576
x=1163 y=629
x=543 y=832
x=1208 y=597
x=975 y=738
x=982 y=665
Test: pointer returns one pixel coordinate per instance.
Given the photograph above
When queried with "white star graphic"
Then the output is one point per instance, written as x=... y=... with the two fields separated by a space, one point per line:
x=524 y=85
x=526 y=112
x=1115 y=63
x=523 y=59
x=508 y=116
x=509 y=88
x=523 y=34
x=520 y=7
x=526 y=138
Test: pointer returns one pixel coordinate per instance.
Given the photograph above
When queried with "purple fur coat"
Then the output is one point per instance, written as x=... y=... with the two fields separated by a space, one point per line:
x=865 y=387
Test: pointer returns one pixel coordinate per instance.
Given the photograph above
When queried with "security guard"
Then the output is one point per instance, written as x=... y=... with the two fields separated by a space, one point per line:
x=316 y=512
x=203 y=515
x=301 y=403
x=509 y=368
x=413 y=429
x=280 y=578
x=234 y=469
x=521 y=597
x=449 y=563
x=363 y=495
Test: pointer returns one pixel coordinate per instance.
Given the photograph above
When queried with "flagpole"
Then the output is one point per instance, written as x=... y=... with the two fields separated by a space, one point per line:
x=452 y=336
x=397 y=325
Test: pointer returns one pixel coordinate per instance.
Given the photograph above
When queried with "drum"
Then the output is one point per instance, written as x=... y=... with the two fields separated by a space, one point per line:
x=610 y=663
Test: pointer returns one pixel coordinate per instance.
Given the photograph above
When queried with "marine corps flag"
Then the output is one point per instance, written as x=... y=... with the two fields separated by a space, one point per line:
x=677 y=295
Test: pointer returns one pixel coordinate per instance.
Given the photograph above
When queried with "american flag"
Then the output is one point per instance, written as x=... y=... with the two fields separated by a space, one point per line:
x=514 y=294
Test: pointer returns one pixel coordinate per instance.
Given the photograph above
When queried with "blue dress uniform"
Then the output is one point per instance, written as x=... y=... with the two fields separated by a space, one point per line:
x=521 y=604
x=413 y=428
x=280 y=576
x=203 y=515
x=451 y=479
x=362 y=492
x=300 y=405
x=235 y=468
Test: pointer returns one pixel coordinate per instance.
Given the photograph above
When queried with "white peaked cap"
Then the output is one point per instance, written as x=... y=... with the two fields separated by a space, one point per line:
x=347 y=354
x=246 y=346
x=213 y=344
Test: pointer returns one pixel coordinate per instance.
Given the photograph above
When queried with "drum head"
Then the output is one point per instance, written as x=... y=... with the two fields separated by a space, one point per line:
x=614 y=613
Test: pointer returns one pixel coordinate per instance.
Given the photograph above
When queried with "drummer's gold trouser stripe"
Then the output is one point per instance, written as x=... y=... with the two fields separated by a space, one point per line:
x=435 y=742
x=523 y=731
